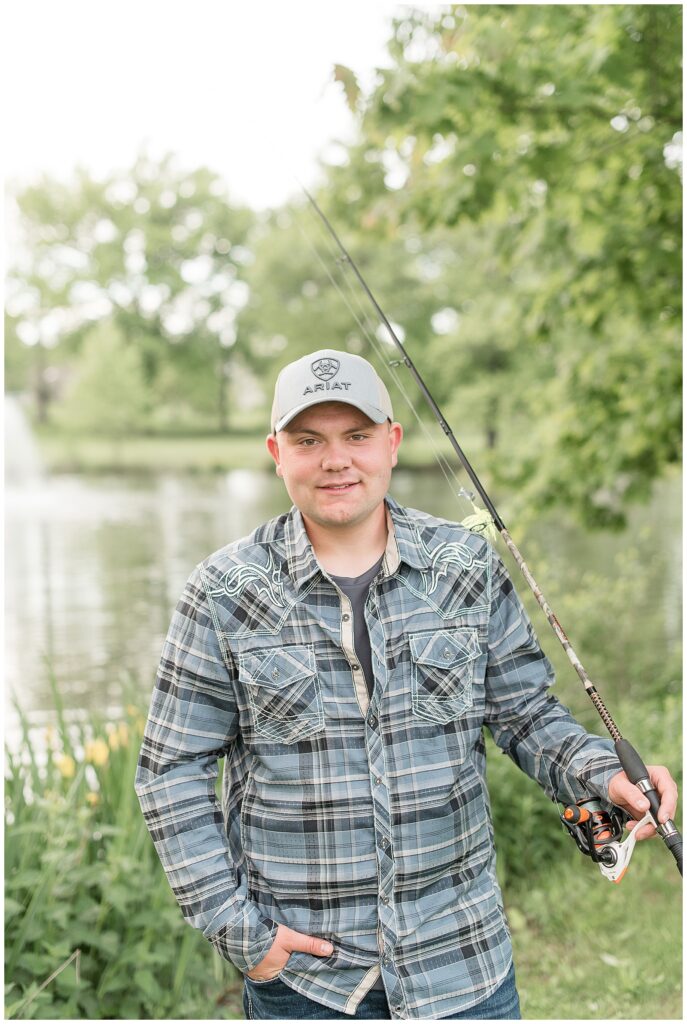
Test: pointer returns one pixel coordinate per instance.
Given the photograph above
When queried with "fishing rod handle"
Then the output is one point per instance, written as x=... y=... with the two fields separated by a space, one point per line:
x=637 y=772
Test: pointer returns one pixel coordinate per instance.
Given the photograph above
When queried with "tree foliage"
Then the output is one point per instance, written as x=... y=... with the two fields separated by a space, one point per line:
x=107 y=395
x=155 y=249
x=548 y=138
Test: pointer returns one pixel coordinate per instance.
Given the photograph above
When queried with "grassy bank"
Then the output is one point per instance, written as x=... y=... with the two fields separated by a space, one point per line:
x=208 y=453
x=585 y=949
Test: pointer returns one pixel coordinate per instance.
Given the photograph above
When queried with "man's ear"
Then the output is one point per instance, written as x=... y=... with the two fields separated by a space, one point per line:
x=273 y=449
x=395 y=438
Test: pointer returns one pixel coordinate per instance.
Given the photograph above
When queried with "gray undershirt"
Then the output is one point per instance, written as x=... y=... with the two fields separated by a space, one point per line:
x=356 y=588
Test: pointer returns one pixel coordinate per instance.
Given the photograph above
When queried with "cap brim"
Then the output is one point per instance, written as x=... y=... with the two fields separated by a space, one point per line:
x=375 y=414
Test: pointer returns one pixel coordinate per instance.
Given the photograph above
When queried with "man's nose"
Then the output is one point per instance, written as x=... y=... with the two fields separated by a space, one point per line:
x=335 y=457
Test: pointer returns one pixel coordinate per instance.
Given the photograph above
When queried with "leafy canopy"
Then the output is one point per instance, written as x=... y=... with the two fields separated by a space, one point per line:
x=540 y=145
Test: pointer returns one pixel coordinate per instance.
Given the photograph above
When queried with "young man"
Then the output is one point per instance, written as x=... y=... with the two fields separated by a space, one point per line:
x=344 y=658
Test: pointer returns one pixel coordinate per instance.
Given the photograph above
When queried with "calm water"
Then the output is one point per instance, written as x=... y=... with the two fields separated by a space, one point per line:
x=94 y=567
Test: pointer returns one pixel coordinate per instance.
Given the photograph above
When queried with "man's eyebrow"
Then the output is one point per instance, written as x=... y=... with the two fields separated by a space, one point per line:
x=288 y=429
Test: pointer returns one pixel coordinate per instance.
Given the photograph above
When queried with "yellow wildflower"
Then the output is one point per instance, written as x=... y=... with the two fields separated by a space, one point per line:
x=113 y=739
x=131 y=710
x=50 y=735
x=123 y=734
x=65 y=766
x=93 y=799
x=97 y=752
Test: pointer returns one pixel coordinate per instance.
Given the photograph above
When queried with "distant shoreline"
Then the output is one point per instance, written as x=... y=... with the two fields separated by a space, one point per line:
x=204 y=454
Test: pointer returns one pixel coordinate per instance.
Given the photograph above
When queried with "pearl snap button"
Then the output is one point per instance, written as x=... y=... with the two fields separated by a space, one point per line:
x=447 y=652
x=275 y=673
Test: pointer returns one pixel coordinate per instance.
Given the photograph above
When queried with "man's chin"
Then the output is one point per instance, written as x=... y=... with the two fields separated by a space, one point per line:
x=338 y=517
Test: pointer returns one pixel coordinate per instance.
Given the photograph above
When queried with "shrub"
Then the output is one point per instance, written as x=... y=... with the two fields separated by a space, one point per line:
x=92 y=927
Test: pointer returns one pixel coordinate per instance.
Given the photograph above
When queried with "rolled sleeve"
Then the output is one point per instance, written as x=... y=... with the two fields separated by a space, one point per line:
x=191 y=723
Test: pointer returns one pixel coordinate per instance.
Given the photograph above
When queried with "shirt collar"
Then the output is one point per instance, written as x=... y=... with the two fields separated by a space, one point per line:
x=403 y=545
x=299 y=551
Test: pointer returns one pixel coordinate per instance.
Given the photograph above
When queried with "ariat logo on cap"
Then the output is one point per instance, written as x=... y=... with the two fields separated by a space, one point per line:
x=325 y=369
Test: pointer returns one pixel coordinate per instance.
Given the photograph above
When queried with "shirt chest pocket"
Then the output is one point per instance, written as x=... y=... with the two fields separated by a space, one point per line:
x=442 y=673
x=283 y=692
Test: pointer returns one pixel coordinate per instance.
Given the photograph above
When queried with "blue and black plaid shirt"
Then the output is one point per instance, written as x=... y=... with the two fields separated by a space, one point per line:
x=361 y=820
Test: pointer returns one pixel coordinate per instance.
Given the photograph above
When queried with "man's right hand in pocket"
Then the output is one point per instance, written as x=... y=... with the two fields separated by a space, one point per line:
x=285 y=942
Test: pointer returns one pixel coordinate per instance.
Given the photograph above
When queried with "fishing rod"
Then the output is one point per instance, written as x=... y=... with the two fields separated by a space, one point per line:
x=596 y=833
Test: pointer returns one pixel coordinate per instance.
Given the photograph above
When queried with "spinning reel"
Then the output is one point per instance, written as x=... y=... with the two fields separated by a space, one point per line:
x=598 y=835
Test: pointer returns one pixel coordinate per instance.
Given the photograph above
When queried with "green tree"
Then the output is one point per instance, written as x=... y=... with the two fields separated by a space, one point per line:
x=108 y=395
x=160 y=251
x=547 y=139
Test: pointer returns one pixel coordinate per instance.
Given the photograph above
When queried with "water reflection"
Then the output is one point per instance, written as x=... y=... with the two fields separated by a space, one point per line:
x=94 y=566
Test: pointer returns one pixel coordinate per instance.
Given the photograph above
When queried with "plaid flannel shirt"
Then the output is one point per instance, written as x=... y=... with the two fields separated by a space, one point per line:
x=362 y=821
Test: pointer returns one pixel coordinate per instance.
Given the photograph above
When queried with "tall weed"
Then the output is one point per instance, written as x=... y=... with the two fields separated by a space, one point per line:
x=92 y=928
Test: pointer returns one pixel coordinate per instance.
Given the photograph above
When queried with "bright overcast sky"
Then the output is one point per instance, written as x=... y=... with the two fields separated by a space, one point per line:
x=243 y=87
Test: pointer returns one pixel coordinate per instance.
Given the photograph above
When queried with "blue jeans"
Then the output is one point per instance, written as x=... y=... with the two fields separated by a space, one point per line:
x=273 y=1000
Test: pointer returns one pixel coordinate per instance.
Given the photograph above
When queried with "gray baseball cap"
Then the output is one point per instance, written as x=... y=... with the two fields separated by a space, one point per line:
x=329 y=376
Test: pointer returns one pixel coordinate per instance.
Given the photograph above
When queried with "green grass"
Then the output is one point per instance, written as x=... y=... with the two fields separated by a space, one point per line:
x=586 y=948
x=63 y=454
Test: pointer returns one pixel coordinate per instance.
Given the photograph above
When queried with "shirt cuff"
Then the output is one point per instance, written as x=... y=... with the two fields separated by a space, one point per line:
x=596 y=776
x=246 y=940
